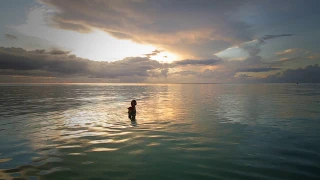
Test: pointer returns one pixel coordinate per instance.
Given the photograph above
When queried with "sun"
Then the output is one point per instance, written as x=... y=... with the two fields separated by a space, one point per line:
x=166 y=57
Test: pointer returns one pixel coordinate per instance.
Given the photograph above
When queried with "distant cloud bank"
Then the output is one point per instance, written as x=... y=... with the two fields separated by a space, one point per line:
x=59 y=63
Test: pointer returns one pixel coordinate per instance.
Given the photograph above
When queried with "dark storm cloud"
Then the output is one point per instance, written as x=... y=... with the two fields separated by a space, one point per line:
x=275 y=36
x=266 y=37
x=20 y=59
x=309 y=74
x=267 y=69
x=207 y=62
x=9 y=36
x=58 y=52
x=38 y=51
x=61 y=63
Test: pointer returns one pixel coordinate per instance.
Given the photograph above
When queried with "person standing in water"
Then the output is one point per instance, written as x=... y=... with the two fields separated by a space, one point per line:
x=132 y=110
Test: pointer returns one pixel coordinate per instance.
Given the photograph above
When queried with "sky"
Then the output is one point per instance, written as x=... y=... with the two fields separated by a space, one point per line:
x=159 y=41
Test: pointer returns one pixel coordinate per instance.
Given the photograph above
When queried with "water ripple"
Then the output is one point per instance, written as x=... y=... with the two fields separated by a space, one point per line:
x=181 y=132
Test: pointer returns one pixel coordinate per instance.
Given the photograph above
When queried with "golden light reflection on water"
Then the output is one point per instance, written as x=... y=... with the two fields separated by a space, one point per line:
x=106 y=122
x=153 y=144
x=103 y=149
x=108 y=141
x=76 y=154
x=163 y=106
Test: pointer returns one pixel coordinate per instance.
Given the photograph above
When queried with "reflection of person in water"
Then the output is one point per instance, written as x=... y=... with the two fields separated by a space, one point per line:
x=132 y=110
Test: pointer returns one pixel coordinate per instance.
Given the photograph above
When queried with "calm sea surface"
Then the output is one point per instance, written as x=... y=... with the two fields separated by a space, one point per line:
x=183 y=131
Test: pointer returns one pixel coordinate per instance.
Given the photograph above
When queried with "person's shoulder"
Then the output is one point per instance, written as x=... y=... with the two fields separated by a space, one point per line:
x=130 y=108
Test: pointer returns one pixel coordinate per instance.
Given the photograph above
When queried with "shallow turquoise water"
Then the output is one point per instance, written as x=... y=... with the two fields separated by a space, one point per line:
x=183 y=131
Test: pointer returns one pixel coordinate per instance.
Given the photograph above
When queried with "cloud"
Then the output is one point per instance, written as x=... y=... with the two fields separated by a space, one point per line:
x=309 y=74
x=244 y=76
x=229 y=70
x=208 y=74
x=207 y=62
x=153 y=53
x=265 y=69
x=9 y=36
x=267 y=37
x=20 y=59
x=275 y=36
x=71 y=26
x=298 y=53
x=295 y=55
x=63 y=64
x=253 y=63
x=253 y=48
x=185 y=73
x=17 y=61
x=164 y=72
x=195 y=28
x=58 y=52
x=288 y=51
x=60 y=64
x=315 y=56
x=284 y=59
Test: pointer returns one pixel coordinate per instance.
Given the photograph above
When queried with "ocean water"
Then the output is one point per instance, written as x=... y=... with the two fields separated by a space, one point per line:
x=183 y=131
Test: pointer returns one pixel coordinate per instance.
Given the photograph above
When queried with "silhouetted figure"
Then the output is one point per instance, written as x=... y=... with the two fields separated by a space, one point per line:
x=132 y=110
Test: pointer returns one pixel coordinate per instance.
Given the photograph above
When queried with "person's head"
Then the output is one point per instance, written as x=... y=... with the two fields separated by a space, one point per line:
x=133 y=102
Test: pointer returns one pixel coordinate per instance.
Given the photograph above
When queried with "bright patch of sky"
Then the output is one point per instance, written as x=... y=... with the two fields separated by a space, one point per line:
x=233 y=53
x=96 y=45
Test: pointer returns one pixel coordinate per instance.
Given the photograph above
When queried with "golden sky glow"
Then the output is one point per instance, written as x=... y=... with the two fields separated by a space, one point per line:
x=166 y=57
x=96 y=45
